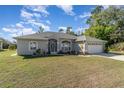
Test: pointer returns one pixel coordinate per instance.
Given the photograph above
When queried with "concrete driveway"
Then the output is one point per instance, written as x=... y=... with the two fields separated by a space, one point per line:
x=112 y=56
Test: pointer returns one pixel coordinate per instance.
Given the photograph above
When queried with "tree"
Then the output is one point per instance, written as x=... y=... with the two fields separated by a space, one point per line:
x=97 y=10
x=94 y=13
x=72 y=33
x=61 y=30
x=41 y=29
x=107 y=24
x=68 y=30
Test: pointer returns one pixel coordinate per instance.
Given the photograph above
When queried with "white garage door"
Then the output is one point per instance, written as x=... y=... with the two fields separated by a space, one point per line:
x=95 y=48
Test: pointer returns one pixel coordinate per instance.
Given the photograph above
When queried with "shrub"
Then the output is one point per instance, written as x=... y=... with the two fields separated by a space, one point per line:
x=73 y=52
x=39 y=52
x=70 y=52
x=117 y=47
x=12 y=47
x=60 y=52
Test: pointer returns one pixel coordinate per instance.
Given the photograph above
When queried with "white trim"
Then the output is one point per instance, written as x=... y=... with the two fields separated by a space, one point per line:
x=36 y=45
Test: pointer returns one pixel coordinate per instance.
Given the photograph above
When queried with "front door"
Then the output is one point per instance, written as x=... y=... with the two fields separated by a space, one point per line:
x=52 y=46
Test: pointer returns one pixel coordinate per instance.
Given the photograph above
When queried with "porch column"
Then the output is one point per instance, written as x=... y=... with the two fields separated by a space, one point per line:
x=58 y=45
x=86 y=47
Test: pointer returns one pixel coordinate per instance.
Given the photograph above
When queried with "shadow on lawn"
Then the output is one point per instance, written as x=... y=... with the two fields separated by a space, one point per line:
x=33 y=57
x=2 y=50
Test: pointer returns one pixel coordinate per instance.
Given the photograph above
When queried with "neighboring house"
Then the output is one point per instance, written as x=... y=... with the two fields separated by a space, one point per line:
x=54 y=42
x=1 y=44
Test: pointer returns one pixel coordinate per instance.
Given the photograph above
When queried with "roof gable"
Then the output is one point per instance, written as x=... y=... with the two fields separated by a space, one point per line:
x=46 y=35
x=89 y=39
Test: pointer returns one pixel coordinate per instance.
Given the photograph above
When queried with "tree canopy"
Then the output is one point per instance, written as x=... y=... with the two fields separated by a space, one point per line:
x=107 y=24
x=41 y=29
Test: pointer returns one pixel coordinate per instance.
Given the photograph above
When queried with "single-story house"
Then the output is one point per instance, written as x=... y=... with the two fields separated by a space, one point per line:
x=1 y=43
x=54 y=42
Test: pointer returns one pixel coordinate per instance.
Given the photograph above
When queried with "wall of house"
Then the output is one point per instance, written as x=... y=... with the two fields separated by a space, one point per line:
x=23 y=46
x=1 y=45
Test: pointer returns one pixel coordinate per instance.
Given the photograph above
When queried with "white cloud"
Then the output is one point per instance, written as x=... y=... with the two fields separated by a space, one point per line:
x=48 y=22
x=38 y=24
x=13 y=34
x=68 y=9
x=9 y=29
x=27 y=31
x=62 y=27
x=18 y=29
x=19 y=25
x=37 y=15
x=30 y=20
x=33 y=18
x=24 y=31
x=39 y=8
x=6 y=29
x=13 y=28
x=85 y=14
x=26 y=14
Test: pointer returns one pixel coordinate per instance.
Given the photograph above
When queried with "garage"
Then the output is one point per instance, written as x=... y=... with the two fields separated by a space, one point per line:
x=95 y=49
x=90 y=45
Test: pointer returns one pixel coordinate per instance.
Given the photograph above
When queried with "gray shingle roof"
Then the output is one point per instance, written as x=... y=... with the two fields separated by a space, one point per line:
x=89 y=39
x=46 y=35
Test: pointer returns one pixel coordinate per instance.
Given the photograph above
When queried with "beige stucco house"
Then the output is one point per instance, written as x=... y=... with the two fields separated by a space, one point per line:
x=54 y=42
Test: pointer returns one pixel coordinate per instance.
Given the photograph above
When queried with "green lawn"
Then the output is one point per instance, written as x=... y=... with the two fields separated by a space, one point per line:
x=59 y=71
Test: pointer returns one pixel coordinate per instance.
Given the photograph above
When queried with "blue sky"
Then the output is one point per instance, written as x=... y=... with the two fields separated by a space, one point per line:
x=18 y=20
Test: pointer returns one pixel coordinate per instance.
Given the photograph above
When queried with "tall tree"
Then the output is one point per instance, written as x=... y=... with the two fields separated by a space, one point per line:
x=61 y=30
x=107 y=24
x=68 y=30
x=41 y=29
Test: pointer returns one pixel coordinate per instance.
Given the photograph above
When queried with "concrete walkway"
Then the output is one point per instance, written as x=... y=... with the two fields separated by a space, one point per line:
x=112 y=56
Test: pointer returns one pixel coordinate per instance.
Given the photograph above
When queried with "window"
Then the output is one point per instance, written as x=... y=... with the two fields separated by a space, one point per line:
x=33 y=45
x=65 y=46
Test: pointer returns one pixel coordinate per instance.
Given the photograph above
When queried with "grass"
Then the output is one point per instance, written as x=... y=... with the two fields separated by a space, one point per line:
x=117 y=52
x=59 y=71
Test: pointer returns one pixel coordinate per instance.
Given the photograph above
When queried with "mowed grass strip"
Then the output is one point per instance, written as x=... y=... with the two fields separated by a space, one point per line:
x=59 y=71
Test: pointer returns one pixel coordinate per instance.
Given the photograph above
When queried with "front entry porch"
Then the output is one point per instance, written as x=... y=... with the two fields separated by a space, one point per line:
x=55 y=46
x=52 y=46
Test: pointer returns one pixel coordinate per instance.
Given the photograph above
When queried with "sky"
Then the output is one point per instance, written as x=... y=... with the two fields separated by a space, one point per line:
x=16 y=20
